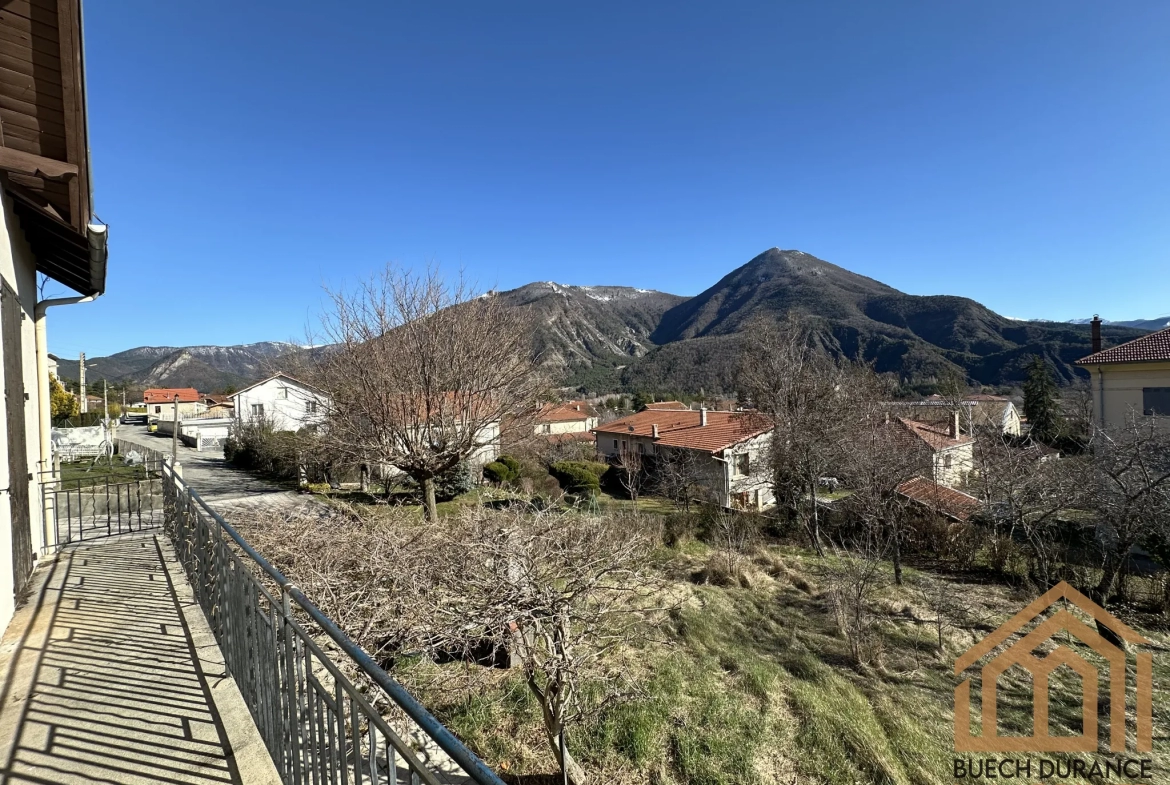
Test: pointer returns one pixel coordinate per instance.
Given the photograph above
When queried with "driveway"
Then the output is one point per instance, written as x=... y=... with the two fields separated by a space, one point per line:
x=220 y=485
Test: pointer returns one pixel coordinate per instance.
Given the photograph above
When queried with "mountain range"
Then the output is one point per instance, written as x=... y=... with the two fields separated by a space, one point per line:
x=609 y=338
x=206 y=368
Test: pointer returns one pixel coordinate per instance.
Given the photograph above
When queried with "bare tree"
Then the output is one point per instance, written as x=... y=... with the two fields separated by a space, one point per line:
x=683 y=476
x=733 y=533
x=852 y=578
x=560 y=592
x=631 y=471
x=422 y=374
x=1129 y=491
x=880 y=456
x=1024 y=487
x=948 y=607
x=790 y=378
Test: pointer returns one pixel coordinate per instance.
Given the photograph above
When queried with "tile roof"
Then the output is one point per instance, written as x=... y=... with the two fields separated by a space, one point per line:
x=167 y=395
x=936 y=437
x=569 y=411
x=951 y=503
x=1148 y=348
x=682 y=429
x=667 y=406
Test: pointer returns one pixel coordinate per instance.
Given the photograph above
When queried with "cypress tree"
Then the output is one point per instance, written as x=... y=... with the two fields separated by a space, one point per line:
x=1041 y=404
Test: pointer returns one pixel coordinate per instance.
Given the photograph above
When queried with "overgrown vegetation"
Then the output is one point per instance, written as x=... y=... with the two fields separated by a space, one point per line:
x=765 y=671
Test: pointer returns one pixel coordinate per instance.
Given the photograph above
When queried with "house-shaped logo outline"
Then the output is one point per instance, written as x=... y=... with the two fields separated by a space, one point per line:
x=1021 y=653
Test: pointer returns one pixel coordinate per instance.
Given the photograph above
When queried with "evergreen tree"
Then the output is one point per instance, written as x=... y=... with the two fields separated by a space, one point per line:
x=1041 y=402
x=642 y=400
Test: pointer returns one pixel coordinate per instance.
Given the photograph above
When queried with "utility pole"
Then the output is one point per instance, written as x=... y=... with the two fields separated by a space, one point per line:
x=81 y=384
x=175 y=434
x=105 y=400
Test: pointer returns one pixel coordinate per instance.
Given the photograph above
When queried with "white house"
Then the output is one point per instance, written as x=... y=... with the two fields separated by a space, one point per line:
x=286 y=403
x=952 y=454
x=571 y=417
x=45 y=227
x=731 y=446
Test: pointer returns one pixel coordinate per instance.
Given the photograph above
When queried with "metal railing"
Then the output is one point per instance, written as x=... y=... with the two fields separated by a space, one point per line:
x=99 y=502
x=318 y=726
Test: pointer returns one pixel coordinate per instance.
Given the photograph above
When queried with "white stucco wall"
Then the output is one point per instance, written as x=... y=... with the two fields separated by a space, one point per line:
x=1121 y=388
x=571 y=426
x=18 y=269
x=757 y=483
x=166 y=411
x=961 y=460
x=287 y=411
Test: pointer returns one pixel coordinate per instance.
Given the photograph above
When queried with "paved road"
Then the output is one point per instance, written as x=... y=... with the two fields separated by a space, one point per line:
x=220 y=485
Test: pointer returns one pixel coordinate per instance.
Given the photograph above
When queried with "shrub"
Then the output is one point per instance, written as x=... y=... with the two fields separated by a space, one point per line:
x=496 y=472
x=504 y=469
x=512 y=464
x=260 y=448
x=580 y=477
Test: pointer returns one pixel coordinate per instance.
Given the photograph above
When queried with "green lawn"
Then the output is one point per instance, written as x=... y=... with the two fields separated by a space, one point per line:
x=86 y=473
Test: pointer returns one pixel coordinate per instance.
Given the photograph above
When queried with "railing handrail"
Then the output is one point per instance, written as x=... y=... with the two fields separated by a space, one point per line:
x=467 y=760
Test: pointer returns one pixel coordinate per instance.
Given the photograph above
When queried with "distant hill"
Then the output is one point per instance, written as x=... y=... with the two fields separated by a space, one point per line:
x=608 y=338
x=207 y=368
x=1141 y=324
x=917 y=337
x=586 y=335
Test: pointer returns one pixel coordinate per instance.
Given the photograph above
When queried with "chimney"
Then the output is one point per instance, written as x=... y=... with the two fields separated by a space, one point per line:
x=577 y=407
x=654 y=430
x=1096 y=333
x=703 y=416
x=955 y=425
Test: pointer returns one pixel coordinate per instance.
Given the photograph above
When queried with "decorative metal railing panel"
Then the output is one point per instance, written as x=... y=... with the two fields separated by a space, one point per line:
x=98 y=503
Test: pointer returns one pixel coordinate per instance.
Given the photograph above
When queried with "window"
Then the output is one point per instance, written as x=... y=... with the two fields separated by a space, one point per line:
x=158 y=410
x=546 y=428
x=1156 y=401
x=310 y=407
x=741 y=464
x=282 y=393
x=947 y=461
x=257 y=410
x=615 y=444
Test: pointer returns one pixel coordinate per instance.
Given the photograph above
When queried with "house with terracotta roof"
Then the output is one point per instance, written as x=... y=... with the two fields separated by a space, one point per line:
x=1133 y=377
x=570 y=417
x=734 y=445
x=952 y=453
x=939 y=499
x=160 y=402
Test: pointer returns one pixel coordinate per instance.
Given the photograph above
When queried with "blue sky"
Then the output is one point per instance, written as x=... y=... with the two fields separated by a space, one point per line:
x=247 y=154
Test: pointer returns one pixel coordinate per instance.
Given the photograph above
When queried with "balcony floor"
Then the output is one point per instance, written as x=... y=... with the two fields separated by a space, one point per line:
x=111 y=675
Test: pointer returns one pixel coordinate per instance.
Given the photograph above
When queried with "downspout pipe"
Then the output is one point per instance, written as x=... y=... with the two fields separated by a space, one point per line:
x=97 y=234
x=43 y=399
